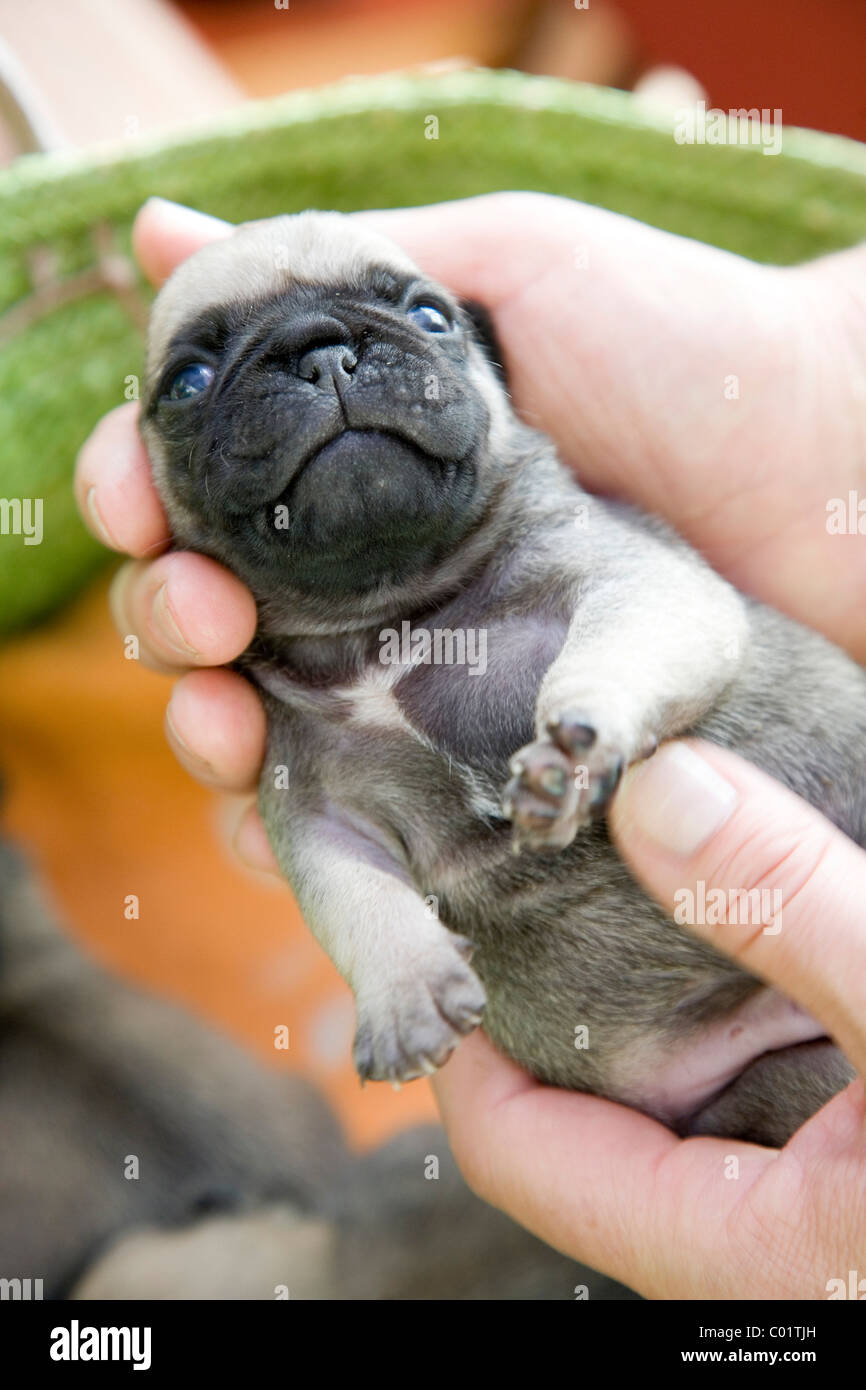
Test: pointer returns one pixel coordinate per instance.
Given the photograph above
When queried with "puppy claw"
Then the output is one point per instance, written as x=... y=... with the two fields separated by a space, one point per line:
x=571 y=732
x=411 y=1028
x=607 y=783
x=559 y=783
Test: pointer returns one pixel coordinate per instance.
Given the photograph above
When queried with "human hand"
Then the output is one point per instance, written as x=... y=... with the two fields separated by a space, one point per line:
x=623 y=363
x=697 y=1218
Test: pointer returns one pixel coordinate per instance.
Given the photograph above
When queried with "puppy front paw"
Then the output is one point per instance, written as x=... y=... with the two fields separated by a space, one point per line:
x=560 y=783
x=413 y=1021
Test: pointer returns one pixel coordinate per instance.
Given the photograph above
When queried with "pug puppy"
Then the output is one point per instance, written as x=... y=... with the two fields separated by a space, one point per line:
x=460 y=651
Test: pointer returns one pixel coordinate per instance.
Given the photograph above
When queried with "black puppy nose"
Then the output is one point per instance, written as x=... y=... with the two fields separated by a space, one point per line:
x=327 y=366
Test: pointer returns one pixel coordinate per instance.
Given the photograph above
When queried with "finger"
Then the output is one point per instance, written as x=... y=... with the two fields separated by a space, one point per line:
x=695 y=818
x=185 y=610
x=480 y=247
x=602 y=1183
x=165 y=233
x=114 y=488
x=252 y=845
x=215 y=725
x=113 y=484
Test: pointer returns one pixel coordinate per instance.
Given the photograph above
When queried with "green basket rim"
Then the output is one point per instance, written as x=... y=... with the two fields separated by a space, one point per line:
x=404 y=91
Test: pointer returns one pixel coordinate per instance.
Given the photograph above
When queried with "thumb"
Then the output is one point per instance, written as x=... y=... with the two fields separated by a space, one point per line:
x=701 y=828
x=165 y=233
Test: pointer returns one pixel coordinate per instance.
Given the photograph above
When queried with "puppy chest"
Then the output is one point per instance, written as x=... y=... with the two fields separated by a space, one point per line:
x=471 y=692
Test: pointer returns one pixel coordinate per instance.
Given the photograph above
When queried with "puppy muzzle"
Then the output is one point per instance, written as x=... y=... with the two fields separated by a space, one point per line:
x=275 y=410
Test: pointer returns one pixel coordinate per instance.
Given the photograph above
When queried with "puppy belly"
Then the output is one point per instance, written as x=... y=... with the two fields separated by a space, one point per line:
x=592 y=988
x=677 y=1082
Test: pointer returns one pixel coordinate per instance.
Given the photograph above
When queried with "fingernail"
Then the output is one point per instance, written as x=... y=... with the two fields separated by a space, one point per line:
x=99 y=525
x=179 y=215
x=167 y=624
x=251 y=846
x=676 y=800
x=195 y=758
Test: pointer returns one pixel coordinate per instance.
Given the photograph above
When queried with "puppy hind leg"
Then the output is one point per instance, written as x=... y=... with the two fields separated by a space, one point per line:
x=415 y=991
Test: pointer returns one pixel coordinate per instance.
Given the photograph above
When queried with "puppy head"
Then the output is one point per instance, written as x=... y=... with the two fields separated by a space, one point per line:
x=320 y=416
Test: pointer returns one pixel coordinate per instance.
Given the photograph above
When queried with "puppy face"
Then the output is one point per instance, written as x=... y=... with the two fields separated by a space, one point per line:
x=318 y=413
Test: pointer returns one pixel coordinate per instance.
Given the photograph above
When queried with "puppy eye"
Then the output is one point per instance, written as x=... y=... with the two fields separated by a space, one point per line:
x=428 y=318
x=190 y=381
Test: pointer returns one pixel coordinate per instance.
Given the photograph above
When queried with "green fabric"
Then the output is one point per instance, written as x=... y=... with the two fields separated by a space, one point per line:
x=360 y=143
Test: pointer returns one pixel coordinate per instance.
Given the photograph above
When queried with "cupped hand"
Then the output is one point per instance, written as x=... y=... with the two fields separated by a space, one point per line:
x=697 y=1218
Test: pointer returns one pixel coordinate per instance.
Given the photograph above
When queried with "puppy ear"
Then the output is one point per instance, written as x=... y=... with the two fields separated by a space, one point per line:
x=480 y=324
